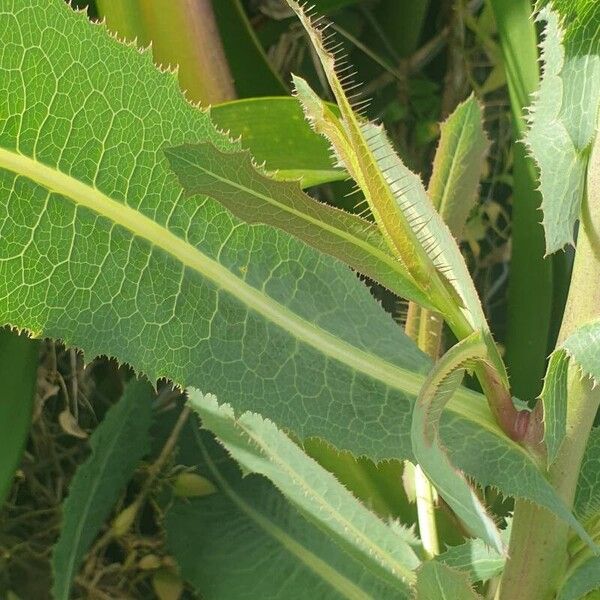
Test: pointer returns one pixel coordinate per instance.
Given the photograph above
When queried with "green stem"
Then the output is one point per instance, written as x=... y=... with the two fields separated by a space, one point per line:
x=538 y=545
x=421 y=325
x=183 y=34
x=425 y=497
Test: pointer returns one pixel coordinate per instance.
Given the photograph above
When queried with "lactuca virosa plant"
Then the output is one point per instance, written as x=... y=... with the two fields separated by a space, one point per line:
x=132 y=227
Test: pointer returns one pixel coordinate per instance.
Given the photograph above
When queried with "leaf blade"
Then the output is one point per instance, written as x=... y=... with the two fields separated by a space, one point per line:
x=214 y=541
x=118 y=445
x=584 y=579
x=559 y=138
x=458 y=163
x=238 y=185
x=429 y=453
x=475 y=558
x=91 y=282
x=587 y=496
x=582 y=348
x=275 y=131
x=261 y=448
x=437 y=581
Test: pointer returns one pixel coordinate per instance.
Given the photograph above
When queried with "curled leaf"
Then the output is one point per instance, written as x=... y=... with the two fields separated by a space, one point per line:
x=450 y=483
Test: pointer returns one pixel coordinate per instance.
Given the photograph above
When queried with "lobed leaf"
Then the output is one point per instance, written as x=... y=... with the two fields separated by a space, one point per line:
x=118 y=444
x=233 y=180
x=259 y=447
x=436 y=581
x=100 y=249
x=582 y=349
x=563 y=118
x=220 y=543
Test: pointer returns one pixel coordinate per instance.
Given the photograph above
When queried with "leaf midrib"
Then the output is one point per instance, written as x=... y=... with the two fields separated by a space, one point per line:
x=383 y=556
x=465 y=403
x=378 y=253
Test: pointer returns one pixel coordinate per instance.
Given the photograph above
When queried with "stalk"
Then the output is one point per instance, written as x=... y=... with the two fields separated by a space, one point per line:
x=421 y=328
x=425 y=498
x=538 y=544
x=183 y=34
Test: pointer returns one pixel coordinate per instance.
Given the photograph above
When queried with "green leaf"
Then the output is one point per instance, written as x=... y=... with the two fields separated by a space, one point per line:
x=436 y=581
x=249 y=64
x=518 y=41
x=587 y=496
x=459 y=160
x=220 y=543
x=100 y=249
x=275 y=131
x=563 y=123
x=554 y=397
x=395 y=196
x=533 y=281
x=429 y=453
x=582 y=348
x=118 y=444
x=261 y=448
x=18 y=374
x=475 y=558
x=233 y=180
x=584 y=579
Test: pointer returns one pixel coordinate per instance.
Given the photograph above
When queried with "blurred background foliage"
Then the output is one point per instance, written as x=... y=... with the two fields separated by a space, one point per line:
x=417 y=60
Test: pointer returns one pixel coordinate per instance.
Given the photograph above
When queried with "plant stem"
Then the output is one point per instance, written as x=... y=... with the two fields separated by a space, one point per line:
x=425 y=496
x=184 y=34
x=538 y=545
x=153 y=472
x=421 y=326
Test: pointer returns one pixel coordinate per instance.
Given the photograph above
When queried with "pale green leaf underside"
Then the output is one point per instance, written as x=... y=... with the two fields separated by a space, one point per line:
x=432 y=232
x=584 y=579
x=232 y=180
x=437 y=581
x=248 y=542
x=395 y=196
x=583 y=349
x=259 y=447
x=563 y=124
x=429 y=453
x=587 y=498
x=100 y=249
x=118 y=444
x=475 y=558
